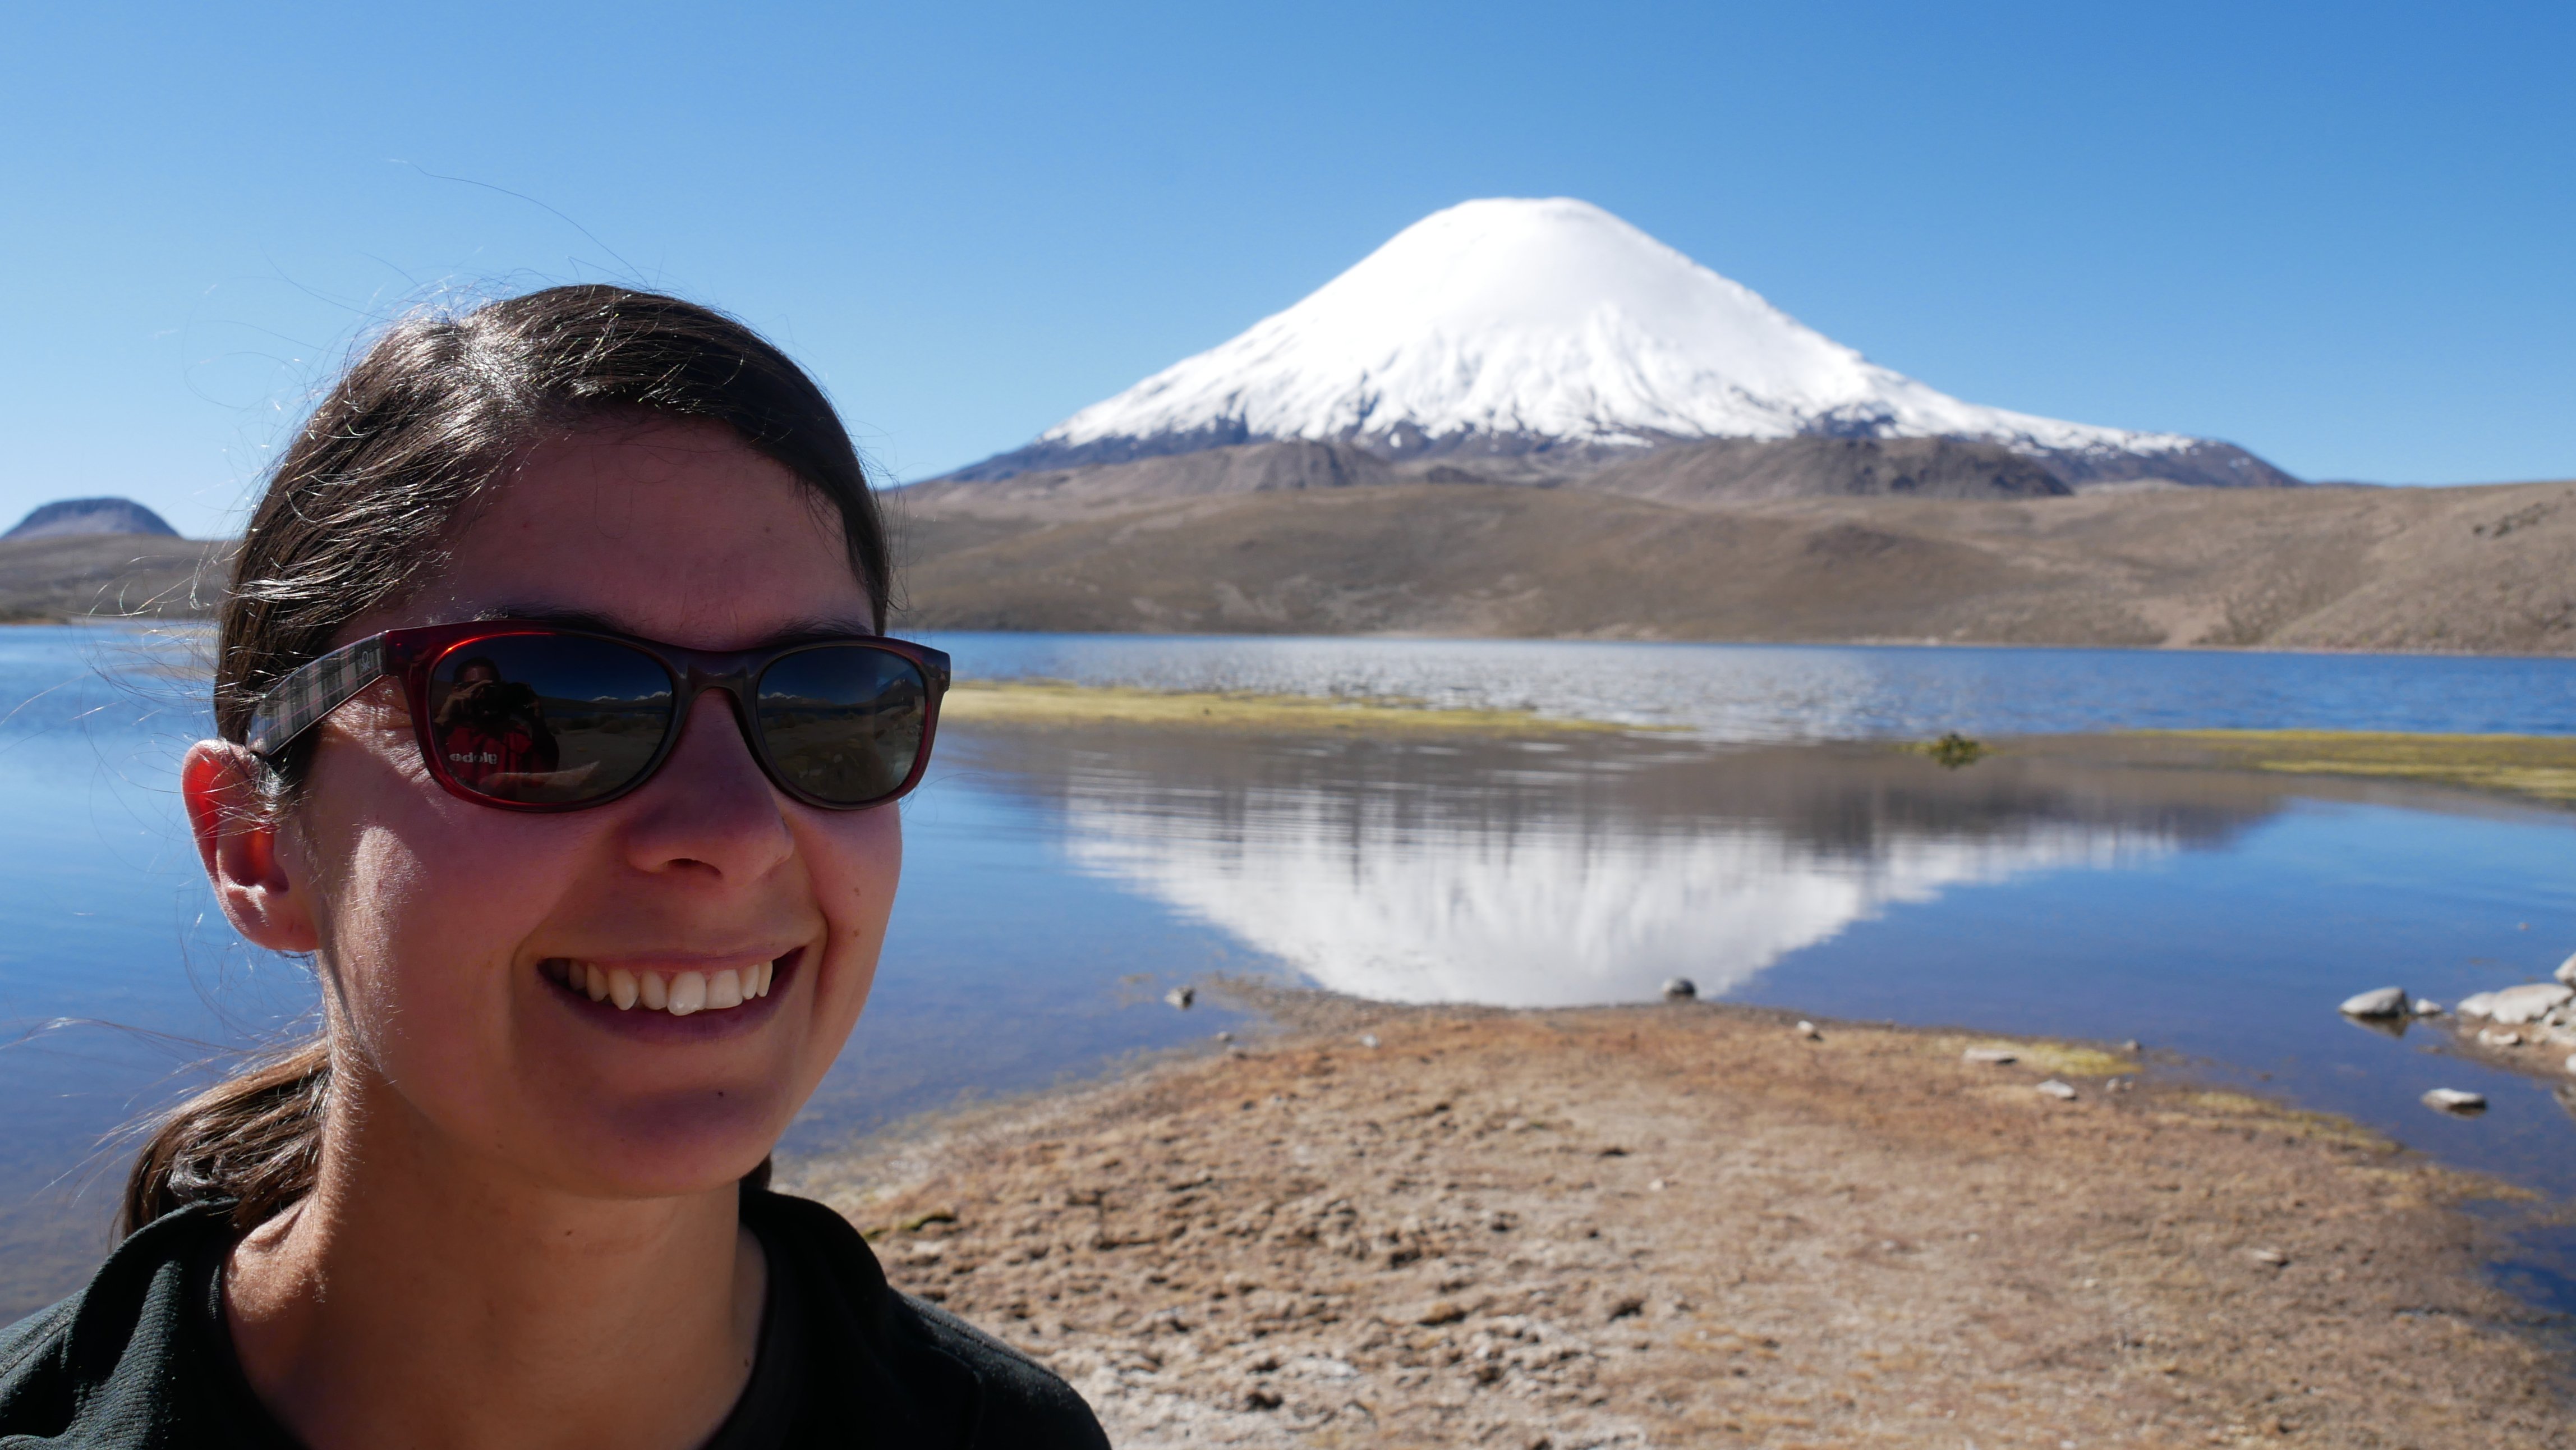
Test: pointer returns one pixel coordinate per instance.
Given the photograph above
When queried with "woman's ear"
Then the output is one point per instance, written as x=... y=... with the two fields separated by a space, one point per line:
x=237 y=841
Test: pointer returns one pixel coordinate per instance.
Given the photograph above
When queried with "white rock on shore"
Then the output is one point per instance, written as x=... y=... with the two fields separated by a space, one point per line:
x=2567 y=971
x=2512 y=1006
x=2427 y=1007
x=2456 y=1100
x=2378 y=1002
x=2058 y=1090
x=1997 y=1055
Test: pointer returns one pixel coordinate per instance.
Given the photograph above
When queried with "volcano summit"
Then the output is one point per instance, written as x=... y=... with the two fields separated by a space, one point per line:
x=1554 y=335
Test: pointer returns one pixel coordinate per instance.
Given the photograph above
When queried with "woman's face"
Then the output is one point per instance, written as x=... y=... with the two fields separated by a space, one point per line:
x=447 y=929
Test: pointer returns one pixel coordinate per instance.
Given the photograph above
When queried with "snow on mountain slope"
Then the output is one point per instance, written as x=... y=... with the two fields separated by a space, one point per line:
x=1512 y=326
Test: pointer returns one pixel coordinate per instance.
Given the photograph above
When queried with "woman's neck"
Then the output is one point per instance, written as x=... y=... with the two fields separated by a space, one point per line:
x=417 y=1296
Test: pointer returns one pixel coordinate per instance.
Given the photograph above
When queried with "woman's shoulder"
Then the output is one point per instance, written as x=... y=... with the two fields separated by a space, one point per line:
x=123 y=1362
x=952 y=1372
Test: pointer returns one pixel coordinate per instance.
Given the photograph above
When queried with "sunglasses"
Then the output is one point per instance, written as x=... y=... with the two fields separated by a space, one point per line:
x=537 y=717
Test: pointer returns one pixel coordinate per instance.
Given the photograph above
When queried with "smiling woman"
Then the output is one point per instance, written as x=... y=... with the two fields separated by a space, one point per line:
x=558 y=731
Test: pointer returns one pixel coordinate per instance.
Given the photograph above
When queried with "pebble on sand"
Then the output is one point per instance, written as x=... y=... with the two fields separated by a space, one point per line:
x=2378 y=1002
x=1181 y=997
x=1996 y=1055
x=1680 y=989
x=2455 y=1100
x=2058 y=1090
x=2493 y=1038
x=2274 y=1257
x=1808 y=1030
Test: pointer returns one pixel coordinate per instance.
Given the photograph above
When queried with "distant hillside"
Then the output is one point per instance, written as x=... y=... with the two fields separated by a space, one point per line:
x=1715 y=471
x=2455 y=569
x=142 y=575
x=1300 y=547
x=64 y=518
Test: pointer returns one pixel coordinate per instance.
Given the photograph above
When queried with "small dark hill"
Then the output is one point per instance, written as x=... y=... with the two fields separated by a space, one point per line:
x=68 y=517
x=1742 y=470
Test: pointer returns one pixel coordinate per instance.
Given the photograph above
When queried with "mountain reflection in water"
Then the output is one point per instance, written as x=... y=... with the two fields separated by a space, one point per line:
x=1551 y=874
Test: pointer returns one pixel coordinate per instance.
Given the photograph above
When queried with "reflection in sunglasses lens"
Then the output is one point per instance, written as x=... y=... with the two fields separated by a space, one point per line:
x=547 y=719
x=843 y=723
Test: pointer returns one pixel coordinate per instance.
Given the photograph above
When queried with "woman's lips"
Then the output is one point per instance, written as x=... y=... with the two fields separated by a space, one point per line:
x=636 y=995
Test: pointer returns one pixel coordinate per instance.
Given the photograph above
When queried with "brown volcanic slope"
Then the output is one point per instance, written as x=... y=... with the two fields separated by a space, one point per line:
x=1246 y=468
x=2468 y=569
x=1745 y=469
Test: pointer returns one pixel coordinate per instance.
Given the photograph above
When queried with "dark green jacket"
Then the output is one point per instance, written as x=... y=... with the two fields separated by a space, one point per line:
x=140 y=1359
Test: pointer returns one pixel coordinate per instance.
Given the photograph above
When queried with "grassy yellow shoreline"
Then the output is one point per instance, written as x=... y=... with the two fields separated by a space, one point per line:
x=1054 y=702
x=2540 y=767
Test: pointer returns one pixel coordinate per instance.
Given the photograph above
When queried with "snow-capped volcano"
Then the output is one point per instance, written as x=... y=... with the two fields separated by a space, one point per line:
x=1513 y=326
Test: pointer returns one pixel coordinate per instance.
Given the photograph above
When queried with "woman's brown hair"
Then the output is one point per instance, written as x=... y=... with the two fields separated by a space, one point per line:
x=358 y=511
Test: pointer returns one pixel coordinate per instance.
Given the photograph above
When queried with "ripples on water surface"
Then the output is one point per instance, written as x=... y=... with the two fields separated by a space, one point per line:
x=1058 y=881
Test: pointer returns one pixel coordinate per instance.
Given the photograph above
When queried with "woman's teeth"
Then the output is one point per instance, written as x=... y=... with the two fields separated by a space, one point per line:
x=678 y=993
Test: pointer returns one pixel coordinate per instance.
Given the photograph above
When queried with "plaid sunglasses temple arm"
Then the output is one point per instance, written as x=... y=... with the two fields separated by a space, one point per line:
x=295 y=704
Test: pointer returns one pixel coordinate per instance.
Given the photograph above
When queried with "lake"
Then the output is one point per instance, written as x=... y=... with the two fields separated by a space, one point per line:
x=1059 y=882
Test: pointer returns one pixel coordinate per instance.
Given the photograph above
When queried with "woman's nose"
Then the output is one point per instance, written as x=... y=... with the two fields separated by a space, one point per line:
x=710 y=807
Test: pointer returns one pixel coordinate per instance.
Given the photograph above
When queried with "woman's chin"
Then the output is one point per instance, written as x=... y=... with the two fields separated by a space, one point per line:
x=667 y=1147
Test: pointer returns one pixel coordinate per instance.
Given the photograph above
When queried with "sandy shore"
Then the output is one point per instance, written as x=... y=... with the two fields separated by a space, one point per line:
x=1694 y=1225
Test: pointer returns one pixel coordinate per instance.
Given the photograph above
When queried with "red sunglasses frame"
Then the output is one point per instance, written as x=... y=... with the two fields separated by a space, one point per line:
x=325 y=684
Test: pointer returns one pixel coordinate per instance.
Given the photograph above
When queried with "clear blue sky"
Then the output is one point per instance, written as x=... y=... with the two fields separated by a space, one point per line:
x=2342 y=235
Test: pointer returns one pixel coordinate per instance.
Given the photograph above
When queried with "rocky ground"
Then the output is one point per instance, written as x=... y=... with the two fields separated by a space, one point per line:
x=1696 y=1225
x=2530 y=1029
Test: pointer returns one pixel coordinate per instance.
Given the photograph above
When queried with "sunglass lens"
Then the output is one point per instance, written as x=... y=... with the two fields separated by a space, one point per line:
x=844 y=723
x=547 y=719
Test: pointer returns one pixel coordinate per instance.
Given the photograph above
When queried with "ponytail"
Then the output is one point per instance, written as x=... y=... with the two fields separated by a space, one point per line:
x=251 y=1141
